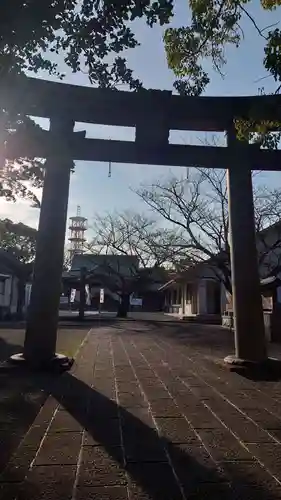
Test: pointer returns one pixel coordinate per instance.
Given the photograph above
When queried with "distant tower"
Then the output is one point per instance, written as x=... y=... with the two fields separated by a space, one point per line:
x=77 y=228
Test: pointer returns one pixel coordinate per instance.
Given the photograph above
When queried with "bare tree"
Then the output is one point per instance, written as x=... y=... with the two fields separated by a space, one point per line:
x=197 y=205
x=145 y=244
x=139 y=235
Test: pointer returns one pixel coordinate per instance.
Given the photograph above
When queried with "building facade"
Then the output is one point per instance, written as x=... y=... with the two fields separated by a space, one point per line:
x=199 y=294
x=13 y=278
x=196 y=294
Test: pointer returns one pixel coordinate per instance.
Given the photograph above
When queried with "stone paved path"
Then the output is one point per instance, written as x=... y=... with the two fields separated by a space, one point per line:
x=147 y=414
x=20 y=395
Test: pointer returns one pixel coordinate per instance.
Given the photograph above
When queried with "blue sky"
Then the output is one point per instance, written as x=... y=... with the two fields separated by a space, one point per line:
x=90 y=186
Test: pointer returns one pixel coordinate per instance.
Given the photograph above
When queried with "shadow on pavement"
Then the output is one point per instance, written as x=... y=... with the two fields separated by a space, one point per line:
x=67 y=322
x=20 y=401
x=20 y=395
x=146 y=462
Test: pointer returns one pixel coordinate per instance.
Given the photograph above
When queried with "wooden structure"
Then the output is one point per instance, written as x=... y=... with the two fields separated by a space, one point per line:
x=153 y=114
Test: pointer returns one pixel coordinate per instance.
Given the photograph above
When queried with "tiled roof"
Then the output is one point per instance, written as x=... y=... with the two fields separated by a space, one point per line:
x=9 y=264
x=118 y=263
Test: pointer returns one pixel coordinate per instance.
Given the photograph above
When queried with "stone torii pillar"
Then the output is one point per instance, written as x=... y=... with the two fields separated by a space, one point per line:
x=41 y=330
x=250 y=342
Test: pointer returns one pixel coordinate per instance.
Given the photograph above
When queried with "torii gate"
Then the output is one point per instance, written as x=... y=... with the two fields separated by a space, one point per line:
x=153 y=113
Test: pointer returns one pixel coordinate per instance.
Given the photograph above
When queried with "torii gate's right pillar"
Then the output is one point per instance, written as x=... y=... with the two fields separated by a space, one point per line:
x=250 y=343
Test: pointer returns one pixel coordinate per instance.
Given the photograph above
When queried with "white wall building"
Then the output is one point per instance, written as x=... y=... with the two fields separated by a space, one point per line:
x=198 y=293
x=11 y=284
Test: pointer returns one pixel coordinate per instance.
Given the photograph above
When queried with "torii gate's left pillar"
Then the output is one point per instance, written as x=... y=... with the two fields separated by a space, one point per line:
x=42 y=320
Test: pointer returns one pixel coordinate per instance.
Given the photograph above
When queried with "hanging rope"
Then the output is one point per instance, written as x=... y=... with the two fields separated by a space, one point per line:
x=109 y=165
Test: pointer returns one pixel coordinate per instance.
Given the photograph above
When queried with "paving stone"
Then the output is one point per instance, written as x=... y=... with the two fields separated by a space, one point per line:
x=275 y=408
x=131 y=416
x=101 y=407
x=246 y=430
x=124 y=375
x=9 y=491
x=155 y=393
x=48 y=482
x=101 y=385
x=176 y=430
x=18 y=466
x=193 y=464
x=264 y=418
x=208 y=491
x=108 y=392
x=203 y=392
x=101 y=467
x=252 y=492
x=126 y=399
x=202 y=418
x=72 y=402
x=163 y=373
x=248 y=473
x=152 y=482
x=165 y=408
x=103 y=493
x=223 y=446
x=269 y=455
x=103 y=369
x=188 y=401
x=60 y=449
x=144 y=452
x=246 y=402
x=276 y=433
x=46 y=412
x=120 y=360
x=139 y=431
x=105 y=379
x=143 y=446
x=65 y=422
x=104 y=432
x=176 y=387
x=145 y=375
x=152 y=383
x=8 y=442
x=35 y=435
x=128 y=386
x=189 y=380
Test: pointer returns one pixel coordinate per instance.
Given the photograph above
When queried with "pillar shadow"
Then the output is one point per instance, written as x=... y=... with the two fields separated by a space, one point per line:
x=20 y=402
x=96 y=413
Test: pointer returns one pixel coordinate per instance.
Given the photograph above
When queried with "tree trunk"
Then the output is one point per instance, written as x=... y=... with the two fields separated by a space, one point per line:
x=82 y=302
x=123 y=307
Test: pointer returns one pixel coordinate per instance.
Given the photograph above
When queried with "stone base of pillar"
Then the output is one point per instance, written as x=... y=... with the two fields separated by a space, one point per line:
x=269 y=368
x=58 y=363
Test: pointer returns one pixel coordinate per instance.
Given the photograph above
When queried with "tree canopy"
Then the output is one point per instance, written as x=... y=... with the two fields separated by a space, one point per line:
x=18 y=239
x=84 y=32
x=87 y=35
x=215 y=24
